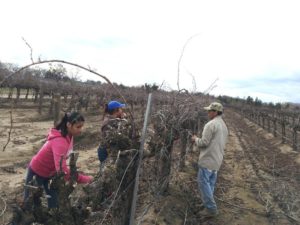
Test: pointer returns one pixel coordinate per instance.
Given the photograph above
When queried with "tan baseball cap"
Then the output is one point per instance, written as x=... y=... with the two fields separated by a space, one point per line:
x=214 y=106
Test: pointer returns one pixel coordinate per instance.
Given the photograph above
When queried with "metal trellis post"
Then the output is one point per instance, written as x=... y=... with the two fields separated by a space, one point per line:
x=141 y=151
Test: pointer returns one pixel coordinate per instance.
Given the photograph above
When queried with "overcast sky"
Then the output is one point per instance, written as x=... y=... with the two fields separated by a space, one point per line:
x=251 y=47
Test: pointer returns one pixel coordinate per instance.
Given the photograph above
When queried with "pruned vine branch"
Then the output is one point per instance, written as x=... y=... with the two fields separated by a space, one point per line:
x=10 y=129
x=180 y=58
x=4 y=208
x=31 y=51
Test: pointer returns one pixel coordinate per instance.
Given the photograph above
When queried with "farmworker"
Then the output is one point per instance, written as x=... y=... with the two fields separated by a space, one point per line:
x=46 y=163
x=114 y=133
x=211 y=146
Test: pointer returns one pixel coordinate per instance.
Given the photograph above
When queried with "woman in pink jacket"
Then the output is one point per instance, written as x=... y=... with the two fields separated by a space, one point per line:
x=46 y=163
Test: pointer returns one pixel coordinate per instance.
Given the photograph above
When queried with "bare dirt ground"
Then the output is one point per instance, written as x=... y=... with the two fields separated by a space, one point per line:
x=258 y=182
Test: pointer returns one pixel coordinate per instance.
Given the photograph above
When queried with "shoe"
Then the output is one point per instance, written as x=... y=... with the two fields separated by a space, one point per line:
x=209 y=213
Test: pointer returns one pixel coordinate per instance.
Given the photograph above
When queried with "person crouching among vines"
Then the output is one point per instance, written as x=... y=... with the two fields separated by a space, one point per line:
x=52 y=157
x=114 y=133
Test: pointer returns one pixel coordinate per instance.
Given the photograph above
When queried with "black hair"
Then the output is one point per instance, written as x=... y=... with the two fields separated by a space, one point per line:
x=109 y=111
x=220 y=113
x=72 y=118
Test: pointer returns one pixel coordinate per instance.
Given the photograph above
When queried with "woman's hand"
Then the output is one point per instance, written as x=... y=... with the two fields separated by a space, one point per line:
x=91 y=179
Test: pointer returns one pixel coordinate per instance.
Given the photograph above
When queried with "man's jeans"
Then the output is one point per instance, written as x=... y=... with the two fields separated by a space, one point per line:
x=41 y=181
x=206 y=184
x=102 y=154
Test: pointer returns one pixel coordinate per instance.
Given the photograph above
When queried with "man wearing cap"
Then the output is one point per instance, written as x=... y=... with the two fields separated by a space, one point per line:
x=211 y=146
x=114 y=132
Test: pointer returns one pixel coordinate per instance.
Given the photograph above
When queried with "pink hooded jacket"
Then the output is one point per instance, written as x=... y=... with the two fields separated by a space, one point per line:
x=46 y=162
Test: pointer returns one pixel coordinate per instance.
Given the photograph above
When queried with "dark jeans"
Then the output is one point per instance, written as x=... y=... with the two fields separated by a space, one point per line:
x=41 y=181
x=102 y=154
